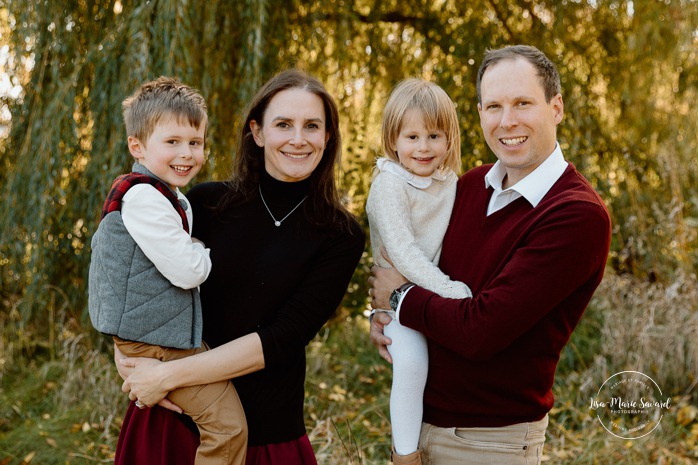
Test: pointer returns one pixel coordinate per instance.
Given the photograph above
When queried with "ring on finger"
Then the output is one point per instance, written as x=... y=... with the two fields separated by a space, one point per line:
x=139 y=404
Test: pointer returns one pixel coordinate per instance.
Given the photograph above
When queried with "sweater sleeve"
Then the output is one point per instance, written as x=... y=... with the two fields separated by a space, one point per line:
x=315 y=299
x=388 y=208
x=564 y=254
x=157 y=229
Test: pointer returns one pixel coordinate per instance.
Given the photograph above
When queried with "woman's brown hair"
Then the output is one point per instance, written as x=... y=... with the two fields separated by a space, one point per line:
x=324 y=207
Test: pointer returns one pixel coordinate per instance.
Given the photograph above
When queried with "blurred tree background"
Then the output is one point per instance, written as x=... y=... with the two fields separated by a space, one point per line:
x=629 y=72
x=630 y=84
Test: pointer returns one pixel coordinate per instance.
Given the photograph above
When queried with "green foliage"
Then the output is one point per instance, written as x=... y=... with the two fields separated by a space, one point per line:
x=66 y=409
x=60 y=396
x=629 y=82
x=629 y=325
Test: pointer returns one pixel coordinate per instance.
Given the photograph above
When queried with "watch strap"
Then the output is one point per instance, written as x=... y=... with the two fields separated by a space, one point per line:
x=397 y=294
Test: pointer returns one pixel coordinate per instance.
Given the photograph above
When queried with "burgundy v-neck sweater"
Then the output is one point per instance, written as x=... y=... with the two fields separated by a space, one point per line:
x=532 y=271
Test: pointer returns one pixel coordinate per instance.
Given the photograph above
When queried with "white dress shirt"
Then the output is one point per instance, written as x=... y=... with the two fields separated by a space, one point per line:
x=157 y=229
x=533 y=187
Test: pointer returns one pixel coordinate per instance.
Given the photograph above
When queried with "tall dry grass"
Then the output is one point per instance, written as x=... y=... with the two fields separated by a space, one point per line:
x=651 y=328
x=60 y=396
x=630 y=325
x=639 y=326
x=62 y=401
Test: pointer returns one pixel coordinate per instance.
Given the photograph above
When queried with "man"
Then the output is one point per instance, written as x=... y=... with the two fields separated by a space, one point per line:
x=530 y=237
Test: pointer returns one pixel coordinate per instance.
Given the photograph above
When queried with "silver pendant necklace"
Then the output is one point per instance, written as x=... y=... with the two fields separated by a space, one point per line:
x=277 y=223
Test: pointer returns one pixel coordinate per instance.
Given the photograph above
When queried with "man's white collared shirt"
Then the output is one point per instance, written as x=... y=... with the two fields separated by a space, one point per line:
x=533 y=187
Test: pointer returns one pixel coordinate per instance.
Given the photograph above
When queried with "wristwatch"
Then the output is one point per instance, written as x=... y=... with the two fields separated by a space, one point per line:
x=397 y=294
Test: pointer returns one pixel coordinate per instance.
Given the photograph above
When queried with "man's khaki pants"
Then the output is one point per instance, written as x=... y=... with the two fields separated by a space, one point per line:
x=519 y=444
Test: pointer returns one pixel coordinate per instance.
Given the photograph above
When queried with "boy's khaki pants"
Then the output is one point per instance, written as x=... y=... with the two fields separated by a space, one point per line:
x=215 y=408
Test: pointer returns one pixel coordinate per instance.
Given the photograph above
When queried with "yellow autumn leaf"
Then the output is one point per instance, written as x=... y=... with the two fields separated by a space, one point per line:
x=339 y=389
x=694 y=431
x=51 y=442
x=686 y=415
x=366 y=380
x=29 y=457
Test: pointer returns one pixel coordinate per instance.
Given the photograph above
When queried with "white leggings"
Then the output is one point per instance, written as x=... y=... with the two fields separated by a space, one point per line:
x=410 y=367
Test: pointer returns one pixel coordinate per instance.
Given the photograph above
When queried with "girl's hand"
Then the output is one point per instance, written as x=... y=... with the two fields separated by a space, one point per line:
x=143 y=381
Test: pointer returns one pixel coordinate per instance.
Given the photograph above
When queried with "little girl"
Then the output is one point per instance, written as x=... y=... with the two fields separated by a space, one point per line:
x=408 y=208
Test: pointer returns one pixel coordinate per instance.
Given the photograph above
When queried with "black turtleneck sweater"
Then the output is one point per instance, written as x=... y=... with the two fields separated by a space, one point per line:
x=281 y=282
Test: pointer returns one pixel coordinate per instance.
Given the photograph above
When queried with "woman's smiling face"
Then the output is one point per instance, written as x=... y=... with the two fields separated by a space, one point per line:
x=292 y=133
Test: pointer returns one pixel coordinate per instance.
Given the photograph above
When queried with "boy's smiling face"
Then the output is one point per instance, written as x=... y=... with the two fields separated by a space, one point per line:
x=174 y=152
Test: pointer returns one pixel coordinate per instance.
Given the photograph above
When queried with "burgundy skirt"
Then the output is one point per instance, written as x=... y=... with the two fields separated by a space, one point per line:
x=157 y=436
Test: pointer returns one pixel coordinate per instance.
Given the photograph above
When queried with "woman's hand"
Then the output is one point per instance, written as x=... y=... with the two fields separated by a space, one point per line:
x=143 y=380
x=118 y=356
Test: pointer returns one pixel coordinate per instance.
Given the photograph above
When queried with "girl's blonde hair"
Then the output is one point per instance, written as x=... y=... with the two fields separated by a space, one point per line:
x=435 y=106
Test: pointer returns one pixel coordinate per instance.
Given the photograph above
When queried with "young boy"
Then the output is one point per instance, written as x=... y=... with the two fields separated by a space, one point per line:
x=146 y=268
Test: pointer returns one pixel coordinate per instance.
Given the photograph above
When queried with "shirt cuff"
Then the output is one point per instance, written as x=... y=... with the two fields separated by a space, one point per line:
x=399 y=304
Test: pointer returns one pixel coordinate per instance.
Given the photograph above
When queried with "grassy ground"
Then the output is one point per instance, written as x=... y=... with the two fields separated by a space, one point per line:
x=60 y=401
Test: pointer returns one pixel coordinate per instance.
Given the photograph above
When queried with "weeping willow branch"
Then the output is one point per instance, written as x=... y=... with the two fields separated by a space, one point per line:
x=629 y=125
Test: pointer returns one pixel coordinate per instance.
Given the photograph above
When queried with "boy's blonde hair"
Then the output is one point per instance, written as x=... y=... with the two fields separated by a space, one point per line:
x=435 y=106
x=163 y=97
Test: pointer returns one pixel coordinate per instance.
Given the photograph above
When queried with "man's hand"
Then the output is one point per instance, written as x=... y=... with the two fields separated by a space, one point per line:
x=383 y=282
x=378 y=323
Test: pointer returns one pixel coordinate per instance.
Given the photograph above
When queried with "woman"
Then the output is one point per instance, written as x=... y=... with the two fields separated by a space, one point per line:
x=283 y=250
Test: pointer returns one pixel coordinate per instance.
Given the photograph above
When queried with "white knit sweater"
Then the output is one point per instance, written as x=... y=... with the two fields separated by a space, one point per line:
x=408 y=215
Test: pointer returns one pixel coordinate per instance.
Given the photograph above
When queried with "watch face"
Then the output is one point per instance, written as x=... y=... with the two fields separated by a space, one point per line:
x=394 y=299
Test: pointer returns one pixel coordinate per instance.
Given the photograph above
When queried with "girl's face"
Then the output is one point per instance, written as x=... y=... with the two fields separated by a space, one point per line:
x=420 y=150
x=293 y=134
